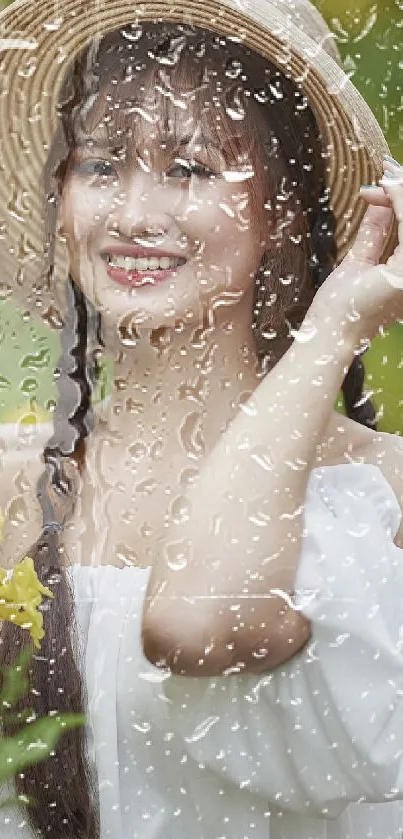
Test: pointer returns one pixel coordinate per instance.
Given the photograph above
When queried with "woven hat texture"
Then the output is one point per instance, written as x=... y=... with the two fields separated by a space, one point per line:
x=39 y=40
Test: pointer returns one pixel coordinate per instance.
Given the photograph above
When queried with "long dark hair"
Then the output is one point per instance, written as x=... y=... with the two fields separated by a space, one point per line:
x=63 y=786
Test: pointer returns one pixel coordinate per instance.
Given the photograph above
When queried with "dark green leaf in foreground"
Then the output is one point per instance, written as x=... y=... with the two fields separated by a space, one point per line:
x=15 y=681
x=34 y=743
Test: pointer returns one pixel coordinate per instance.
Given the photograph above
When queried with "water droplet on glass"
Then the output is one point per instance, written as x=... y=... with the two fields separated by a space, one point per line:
x=246 y=403
x=18 y=44
x=4 y=383
x=323 y=360
x=237 y=176
x=29 y=386
x=157 y=448
x=233 y=68
x=188 y=476
x=205 y=363
x=27 y=67
x=17 y=206
x=53 y=25
x=53 y=318
x=17 y=511
x=234 y=106
x=297 y=465
x=161 y=339
x=127 y=555
x=21 y=482
x=145 y=530
x=202 y=729
x=146 y=487
x=137 y=450
x=353 y=316
x=243 y=441
x=276 y=91
x=180 y=510
x=259 y=518
x=261 y=96
x=133 y=33
x=367 y=25
x=262 y=456
x=226 y=209
x=194 y=392
x=270 y=334
x=176 y=554
x=36 y=361
x=304 y=334
x=350 y=66
x=127 y=328
x=191 y=435
x=361 y=529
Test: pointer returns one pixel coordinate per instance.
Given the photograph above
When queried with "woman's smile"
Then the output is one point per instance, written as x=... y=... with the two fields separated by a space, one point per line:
x=137 y=267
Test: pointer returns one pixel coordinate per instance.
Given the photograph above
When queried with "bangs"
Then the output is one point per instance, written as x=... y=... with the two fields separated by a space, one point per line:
x=152 y=110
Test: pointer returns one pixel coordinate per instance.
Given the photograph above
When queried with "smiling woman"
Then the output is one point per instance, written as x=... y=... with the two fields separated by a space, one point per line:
x=202 y=173
x=214 y=514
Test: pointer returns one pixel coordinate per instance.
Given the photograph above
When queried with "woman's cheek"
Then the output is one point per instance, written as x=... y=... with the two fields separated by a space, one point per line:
x=83 y=210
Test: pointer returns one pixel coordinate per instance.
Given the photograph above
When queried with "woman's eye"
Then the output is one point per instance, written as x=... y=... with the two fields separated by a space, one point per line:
x=101 y=170
x=185 y=169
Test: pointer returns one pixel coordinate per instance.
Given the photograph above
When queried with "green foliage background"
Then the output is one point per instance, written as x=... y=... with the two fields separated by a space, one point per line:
x=369 y=36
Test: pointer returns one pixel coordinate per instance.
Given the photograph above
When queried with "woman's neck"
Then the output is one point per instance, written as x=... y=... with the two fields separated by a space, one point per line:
x=173 y=376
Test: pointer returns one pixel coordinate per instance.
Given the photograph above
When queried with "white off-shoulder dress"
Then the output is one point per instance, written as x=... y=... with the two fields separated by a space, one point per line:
x=275 y=756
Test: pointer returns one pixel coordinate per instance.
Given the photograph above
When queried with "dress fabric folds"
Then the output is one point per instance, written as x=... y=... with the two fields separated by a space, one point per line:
x=281 y=755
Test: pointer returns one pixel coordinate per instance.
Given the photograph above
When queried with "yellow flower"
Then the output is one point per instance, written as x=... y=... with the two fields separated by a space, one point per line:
x=20 y=595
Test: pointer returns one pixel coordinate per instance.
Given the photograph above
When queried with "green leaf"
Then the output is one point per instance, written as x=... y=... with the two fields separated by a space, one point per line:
x=34 y=743
x=15 y=680
x=18 y=718
x=16 y=801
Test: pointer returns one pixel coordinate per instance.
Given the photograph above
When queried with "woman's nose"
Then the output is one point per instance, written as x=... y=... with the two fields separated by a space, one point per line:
x=140 y=209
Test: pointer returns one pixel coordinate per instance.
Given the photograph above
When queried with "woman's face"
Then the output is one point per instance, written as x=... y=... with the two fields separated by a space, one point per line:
x=156 y=233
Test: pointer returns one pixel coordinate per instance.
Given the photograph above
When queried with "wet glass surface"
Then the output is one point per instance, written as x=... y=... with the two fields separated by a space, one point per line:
x=221 y=548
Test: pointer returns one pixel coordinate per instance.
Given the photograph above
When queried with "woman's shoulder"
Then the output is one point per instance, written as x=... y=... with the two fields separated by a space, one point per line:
x=21 y=464
x=346 y=443
x=386 y=452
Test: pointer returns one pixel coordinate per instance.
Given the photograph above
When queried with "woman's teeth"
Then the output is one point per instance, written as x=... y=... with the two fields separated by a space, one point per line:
x=140 y=264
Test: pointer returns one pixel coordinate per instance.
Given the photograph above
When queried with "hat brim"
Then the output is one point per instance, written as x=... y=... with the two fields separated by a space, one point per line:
x=39 y=41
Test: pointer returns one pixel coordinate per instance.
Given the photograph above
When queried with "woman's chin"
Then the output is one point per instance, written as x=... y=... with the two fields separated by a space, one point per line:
x=179 y=303
x=123 y=313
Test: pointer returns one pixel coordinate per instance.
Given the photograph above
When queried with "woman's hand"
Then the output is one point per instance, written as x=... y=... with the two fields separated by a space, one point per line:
x=218 y=599
x=364 y=295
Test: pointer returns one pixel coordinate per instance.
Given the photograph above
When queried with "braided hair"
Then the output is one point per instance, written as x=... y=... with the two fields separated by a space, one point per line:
x=63 y=805
x=64 y=785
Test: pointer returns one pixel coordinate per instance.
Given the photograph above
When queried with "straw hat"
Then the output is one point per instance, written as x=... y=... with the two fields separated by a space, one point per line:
x=39 y=40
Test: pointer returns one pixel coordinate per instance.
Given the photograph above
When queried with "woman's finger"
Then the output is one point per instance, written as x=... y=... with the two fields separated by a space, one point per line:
x=393 y=187
x=392 y=183
x=370 y=239
x=375 y=195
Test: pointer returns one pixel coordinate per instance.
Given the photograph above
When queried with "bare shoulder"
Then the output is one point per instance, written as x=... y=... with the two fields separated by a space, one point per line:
x=386 y=452
x=346 y=441
x=21 y=464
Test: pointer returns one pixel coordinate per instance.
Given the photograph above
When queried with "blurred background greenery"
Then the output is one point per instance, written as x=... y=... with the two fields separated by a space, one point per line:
x=369 y=36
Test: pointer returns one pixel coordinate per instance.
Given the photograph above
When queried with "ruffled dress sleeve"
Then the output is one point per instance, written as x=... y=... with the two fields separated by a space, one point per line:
x=325 y=729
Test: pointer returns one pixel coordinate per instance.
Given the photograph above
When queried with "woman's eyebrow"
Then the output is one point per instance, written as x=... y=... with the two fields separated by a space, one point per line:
x=199 y=141
x=84 y=142
x=97 y=144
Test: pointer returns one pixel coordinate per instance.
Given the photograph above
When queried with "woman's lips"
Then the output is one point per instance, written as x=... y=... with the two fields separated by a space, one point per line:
x=135 y=270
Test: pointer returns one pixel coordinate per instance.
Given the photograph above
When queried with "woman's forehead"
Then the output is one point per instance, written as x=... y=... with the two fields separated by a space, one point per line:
x=141 y=113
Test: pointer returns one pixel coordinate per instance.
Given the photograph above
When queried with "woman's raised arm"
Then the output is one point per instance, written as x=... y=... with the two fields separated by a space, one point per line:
x=218 y=597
